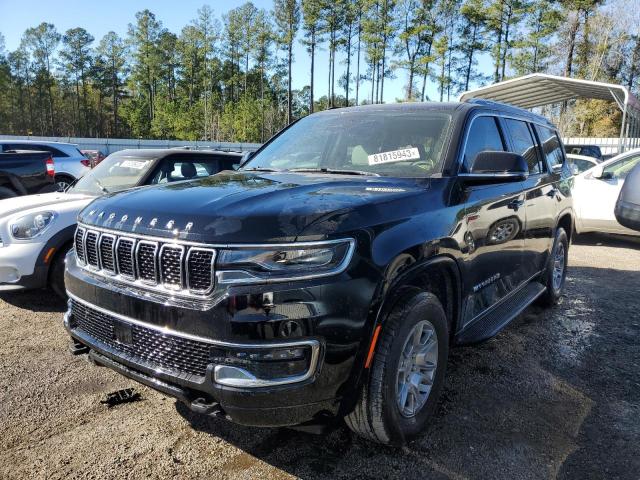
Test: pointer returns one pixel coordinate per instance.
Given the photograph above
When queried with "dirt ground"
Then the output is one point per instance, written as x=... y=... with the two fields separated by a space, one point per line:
x=555 y=395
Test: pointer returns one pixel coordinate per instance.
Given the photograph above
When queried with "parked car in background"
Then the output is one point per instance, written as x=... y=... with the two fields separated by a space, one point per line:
x=70 y=163
x=586 y=150
x=580 y=163
x=328 y=277
x=596 y=191
x=25 y=173
x=628 y=205
x=94 y=156
x=37 y=230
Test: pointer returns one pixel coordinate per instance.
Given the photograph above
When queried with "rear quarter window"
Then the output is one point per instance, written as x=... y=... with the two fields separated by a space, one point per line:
x=551 y=145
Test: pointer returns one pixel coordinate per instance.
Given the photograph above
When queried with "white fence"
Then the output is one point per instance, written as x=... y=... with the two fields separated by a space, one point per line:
x=608 y=145
x=110 y=145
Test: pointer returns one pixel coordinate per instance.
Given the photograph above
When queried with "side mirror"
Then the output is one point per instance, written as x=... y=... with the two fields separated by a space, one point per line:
x=627 y=209
x=574 y=169
x=246 y=156
x=497 y=167
x=599 y=173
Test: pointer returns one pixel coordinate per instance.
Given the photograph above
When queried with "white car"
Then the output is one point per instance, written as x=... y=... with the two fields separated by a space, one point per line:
x=36 y=231
x=581 y=163
x=596 y=191
x=70 y=163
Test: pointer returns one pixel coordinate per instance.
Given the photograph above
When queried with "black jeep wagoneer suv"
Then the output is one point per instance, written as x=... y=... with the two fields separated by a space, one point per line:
x=329 y=276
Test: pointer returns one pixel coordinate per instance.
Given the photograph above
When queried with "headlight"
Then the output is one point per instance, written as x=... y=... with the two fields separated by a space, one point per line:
x=31 y=225
x=274 y=263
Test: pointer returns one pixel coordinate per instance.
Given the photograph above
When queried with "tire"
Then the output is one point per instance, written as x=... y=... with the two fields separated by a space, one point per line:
x=63 y=182
x=378 y=416
x=554 y=289
x=7 y=193
x=56 y=274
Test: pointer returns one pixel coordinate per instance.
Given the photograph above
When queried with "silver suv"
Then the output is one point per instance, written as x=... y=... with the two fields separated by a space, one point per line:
x=70 y=163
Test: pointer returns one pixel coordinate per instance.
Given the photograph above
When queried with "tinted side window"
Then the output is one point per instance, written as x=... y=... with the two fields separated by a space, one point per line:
x=621 y=168
x=35 y=148
x=484 y=135
x=551 y=145
x=522 y=143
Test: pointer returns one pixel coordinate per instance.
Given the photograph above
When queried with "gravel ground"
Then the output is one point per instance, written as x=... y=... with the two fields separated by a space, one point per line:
x=555 y=395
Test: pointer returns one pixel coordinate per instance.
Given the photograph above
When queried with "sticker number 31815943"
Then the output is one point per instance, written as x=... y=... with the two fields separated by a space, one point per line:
x=394 y=156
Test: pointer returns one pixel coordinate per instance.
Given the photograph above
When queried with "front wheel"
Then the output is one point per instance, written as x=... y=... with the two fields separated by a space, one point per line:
x=407 y=372
x=555 y=274
x=56 y=274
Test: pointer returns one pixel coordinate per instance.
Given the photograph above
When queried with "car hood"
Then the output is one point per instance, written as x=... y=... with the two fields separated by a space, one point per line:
x=52 y=201
x=250 y=207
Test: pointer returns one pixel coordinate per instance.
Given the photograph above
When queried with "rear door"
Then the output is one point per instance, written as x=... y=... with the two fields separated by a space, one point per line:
x=541 y=204
x=495 y=219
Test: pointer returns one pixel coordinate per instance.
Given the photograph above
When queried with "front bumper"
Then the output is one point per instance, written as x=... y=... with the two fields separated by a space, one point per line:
x=332 y=316
x=19 y=267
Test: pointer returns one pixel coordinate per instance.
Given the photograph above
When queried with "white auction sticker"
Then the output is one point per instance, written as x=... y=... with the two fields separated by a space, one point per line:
x=394 y=156
x=138 y=165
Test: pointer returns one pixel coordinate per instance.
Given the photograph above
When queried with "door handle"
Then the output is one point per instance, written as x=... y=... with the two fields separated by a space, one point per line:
x=515 y=204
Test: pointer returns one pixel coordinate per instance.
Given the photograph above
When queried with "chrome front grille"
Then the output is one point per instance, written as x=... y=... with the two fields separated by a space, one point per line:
x=164 y=266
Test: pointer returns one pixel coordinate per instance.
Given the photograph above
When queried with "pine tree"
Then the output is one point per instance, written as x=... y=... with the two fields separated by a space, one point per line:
x=287 y=18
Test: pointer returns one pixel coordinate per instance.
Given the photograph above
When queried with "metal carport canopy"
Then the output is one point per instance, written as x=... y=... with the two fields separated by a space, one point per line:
x=538 y=90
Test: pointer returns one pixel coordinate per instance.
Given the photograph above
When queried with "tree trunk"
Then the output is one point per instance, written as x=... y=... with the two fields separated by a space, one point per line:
x=289 y=96
x=313 y=55
x=358 y=60
x=506 y=41
x=573 y=31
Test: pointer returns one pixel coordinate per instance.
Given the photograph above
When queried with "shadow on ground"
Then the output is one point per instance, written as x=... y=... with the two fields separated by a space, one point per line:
x=553 y=395
x=43 y=300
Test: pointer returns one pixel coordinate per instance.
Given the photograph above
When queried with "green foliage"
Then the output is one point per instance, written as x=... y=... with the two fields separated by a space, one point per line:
x=232 y=79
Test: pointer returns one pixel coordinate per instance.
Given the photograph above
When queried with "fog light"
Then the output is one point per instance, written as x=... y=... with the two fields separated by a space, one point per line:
x=256 y=367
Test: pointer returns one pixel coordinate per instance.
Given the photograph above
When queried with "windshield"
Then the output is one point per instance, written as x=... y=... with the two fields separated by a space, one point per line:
x=388 y=143
x=116 y=172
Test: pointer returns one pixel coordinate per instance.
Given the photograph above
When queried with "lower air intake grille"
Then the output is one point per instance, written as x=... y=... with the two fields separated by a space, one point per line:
x=147 y=346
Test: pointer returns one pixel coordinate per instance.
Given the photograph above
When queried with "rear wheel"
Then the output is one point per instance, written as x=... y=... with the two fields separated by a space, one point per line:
x=7 y=193
x=407 y=372
x=63 y=182
x=555 y=274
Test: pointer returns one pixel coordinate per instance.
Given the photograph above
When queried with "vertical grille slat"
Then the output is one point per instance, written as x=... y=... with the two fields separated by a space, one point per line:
x=171 y=266
x=124 y=255
x=79 y=244
x=107 y=253
x=146 y=262
x=184 y=269
x=91 y=249
x=200 y=269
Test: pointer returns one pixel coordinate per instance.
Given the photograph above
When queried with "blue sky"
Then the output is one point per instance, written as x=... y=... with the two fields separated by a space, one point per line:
x=99 y=17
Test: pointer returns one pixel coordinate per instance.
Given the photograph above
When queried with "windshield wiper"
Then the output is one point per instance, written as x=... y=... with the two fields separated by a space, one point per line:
x=259 y=169
x=102 y=187
x=334 y=171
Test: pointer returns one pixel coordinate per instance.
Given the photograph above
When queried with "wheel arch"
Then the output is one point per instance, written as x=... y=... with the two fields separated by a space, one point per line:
x=566 y=220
